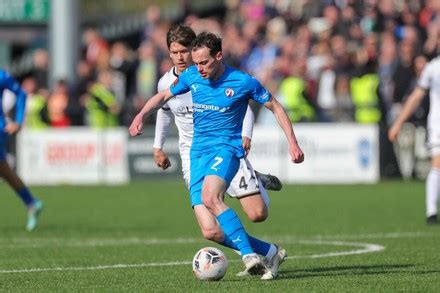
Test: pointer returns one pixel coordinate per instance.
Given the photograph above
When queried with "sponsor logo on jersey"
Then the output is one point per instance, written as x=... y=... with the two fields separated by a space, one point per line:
x=204 y=107
x=229 y=92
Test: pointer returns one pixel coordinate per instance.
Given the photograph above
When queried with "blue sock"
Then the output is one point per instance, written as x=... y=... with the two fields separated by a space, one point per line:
x=259 y=246
x=25 y=196
x=228 y=242
x=233 y=228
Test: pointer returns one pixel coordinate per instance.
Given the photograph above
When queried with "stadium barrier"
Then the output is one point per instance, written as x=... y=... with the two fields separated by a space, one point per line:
x=73 y=156
x=335 y=153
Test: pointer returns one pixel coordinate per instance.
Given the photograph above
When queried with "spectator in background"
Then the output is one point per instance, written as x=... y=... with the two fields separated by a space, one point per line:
x=97 y=49
x=402 y=76
x=56 y=109
x=146 y=71
x=101 y=103
x=387 y=66
x=152 y=22
x=85 y=78
x=40 y=70
x=36 y=104
x=10 y=127
x=364 y=89
x=293 y=94
x=122 y=61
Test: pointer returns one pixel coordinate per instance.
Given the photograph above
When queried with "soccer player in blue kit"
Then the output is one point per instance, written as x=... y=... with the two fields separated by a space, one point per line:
x=8 y=127
x=220 y=97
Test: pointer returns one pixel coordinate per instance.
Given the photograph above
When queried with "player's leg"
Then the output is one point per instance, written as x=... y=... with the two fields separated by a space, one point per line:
x=433 y=179
x=254 y=207
x=33 y=205
x=248 y=189
x=210 y=228
x=253 y=197
x=208 y=224
x=433 y=190
x=212 y=197
x=222 y=167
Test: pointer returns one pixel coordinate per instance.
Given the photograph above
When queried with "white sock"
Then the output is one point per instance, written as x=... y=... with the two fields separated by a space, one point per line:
x=432 y=191
x=272 y=251
x=249 y=254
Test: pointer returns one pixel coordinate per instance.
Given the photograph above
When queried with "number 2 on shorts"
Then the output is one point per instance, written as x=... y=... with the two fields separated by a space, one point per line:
x=218 y=161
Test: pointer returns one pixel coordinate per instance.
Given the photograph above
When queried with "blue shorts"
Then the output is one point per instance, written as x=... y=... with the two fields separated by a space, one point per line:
x=223 y=163
x=3 y=144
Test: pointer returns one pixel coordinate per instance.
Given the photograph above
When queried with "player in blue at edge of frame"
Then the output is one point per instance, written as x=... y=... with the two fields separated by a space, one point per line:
x=9 y=127
x=220 y=97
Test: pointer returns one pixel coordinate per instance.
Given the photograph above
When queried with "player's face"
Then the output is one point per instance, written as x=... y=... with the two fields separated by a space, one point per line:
x=180 y=55
x=207 y=65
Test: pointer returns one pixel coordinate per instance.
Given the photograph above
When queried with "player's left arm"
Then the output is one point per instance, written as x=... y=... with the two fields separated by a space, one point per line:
x=13 y=126
x=248 y=128
x=295 y=151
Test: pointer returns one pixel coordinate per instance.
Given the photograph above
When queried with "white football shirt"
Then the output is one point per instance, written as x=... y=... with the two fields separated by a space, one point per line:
x=430 y=80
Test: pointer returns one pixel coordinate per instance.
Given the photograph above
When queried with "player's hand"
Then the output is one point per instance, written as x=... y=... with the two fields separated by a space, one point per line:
x=246 y=142
x=393 y=132
x=136 y=125
x=11 y=127
x=161 y=159
x=296 y=154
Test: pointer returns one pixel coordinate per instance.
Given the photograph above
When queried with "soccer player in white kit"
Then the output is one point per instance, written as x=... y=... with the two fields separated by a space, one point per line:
x=429 y=80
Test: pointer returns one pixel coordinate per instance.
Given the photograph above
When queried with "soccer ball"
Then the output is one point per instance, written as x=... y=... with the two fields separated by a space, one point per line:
x=209 y=264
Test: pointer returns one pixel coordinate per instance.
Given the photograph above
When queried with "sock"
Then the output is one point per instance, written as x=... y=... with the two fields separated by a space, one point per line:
x=432 y=191
x=228 y=242
x=234 y=230
x=25 y=196
x=259 y=246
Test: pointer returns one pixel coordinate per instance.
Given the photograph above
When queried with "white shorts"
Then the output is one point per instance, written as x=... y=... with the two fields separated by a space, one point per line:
x=243 y=184
x=246 y=183
x=434 y=142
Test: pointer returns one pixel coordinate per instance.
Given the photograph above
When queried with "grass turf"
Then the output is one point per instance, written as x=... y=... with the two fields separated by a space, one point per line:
x=142 y=237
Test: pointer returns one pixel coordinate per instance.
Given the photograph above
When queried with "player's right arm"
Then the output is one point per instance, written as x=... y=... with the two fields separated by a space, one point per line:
x=154 y=103
x=163 y=123
x=179 y=86
x=295 y=151
x=411 y=104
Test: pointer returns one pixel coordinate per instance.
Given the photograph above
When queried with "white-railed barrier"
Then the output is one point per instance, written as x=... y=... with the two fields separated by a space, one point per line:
x=335 y=153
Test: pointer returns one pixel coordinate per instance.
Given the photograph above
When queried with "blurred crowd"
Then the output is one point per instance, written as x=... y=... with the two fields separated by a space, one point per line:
x=326 y=61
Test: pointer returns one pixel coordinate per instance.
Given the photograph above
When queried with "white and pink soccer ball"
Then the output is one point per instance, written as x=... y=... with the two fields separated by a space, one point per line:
x=209 y=264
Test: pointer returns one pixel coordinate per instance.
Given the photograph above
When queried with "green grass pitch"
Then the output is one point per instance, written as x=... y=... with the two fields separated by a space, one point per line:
x=142 y=237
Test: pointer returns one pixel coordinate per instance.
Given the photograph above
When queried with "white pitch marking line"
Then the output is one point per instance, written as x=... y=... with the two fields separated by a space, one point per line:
x=15 y=243
x=365 y=248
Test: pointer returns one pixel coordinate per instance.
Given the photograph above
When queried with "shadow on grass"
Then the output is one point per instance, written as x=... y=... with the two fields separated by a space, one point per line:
x=345 y=271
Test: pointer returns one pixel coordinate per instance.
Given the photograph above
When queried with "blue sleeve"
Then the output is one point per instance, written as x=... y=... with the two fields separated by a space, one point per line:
x=180 y=85
x=257 y=92
x=20 y=104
